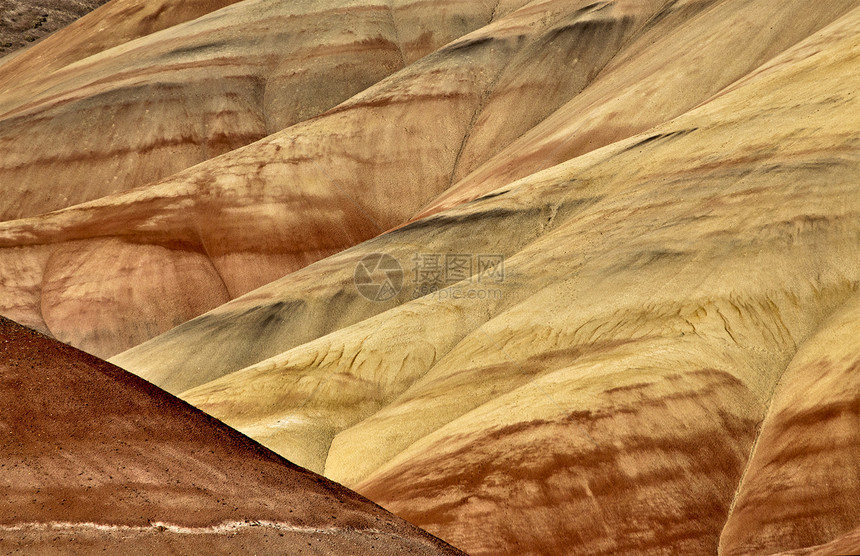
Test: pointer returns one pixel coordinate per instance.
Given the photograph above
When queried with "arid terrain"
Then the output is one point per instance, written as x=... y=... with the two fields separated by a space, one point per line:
x=548 y=277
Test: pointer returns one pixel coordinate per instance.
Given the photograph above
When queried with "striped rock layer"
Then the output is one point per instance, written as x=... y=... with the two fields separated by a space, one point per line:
x=666 y=362
x=150 y=108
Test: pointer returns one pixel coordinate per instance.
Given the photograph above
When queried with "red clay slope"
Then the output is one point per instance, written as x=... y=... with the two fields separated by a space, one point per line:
x=93 y=458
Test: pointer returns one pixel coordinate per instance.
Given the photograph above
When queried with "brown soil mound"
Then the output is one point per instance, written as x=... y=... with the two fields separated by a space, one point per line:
x=93 y=458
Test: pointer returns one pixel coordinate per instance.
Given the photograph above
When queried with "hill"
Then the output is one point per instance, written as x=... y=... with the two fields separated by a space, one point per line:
x=97 y=459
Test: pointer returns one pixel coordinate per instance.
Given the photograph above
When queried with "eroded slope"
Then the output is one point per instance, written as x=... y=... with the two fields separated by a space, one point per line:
x=654 y=293
x=254 y=214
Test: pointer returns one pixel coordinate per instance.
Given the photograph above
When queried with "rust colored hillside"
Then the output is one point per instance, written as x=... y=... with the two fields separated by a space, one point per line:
x=94 y=458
